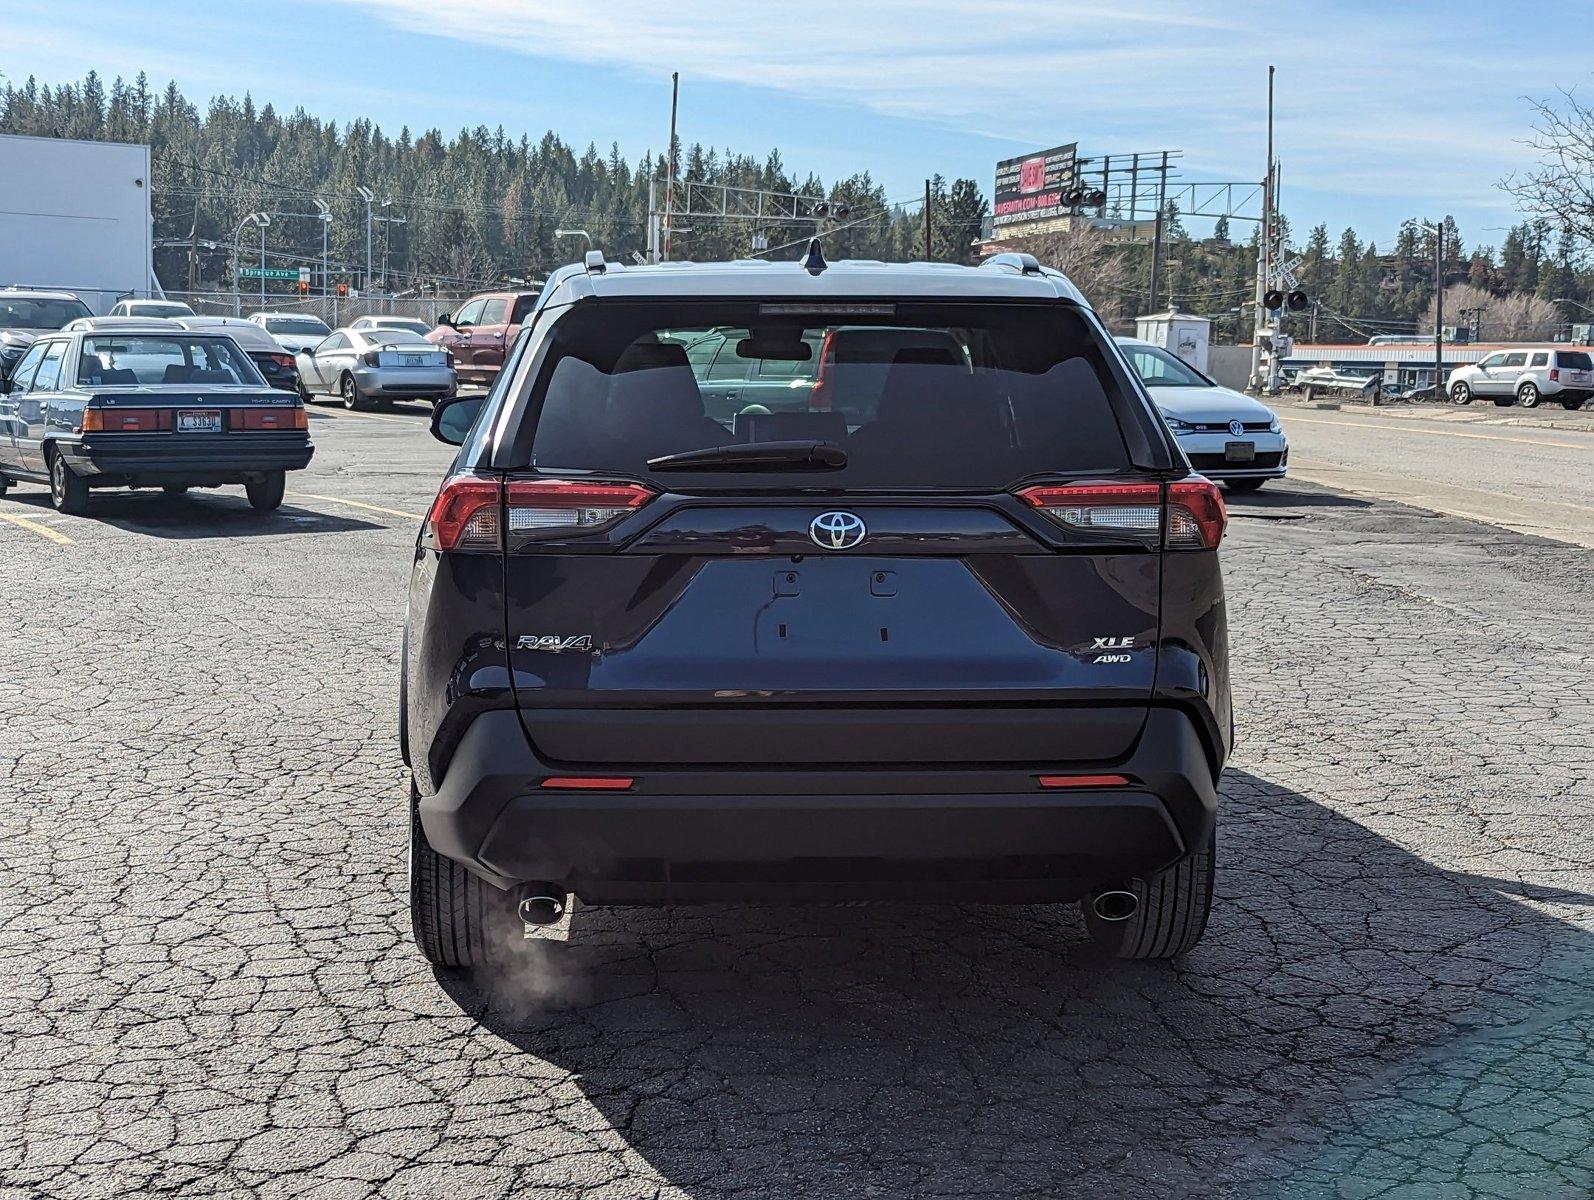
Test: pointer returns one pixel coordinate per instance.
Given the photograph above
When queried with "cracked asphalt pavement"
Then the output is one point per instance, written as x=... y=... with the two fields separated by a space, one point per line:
x=207 y=986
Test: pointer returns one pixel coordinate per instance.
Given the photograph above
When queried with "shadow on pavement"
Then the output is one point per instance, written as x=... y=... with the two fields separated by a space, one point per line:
x=1357 y=1022
x=220 y=514
x=397 y=408
x=1288 y=494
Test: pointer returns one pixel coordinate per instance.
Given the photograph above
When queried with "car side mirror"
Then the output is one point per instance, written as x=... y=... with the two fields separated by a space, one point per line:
x=452 y=418
x=5 y=386
x=309 y=351
x=446 y=319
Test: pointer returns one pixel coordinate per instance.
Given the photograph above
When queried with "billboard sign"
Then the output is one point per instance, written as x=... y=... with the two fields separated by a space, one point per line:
x=1031 y=188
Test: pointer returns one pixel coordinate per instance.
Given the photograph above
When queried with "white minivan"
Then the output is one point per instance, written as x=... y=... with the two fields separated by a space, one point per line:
x=1525 y=377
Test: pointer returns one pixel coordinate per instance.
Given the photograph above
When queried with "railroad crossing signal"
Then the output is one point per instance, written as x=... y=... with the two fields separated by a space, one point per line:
x=1283 y=275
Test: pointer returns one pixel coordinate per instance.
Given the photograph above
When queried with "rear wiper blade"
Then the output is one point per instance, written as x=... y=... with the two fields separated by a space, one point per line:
x=756 y=456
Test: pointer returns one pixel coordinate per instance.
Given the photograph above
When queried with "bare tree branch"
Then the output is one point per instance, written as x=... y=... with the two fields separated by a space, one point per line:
x=1560 y=190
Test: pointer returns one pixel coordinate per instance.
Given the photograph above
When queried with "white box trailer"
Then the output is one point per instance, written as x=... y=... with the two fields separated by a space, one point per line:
x=75 y=216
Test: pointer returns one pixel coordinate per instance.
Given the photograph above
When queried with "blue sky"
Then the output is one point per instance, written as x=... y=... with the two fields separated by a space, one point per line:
x=1385 y=110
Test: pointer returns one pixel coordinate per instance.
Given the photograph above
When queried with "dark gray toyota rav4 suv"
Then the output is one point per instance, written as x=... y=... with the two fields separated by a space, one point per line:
x=807 y=581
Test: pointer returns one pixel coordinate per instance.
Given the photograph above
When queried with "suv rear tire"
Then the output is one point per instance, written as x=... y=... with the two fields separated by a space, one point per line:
x=451 y=911
x=1171 y=915
x=1572 y=405
x=1528 y=395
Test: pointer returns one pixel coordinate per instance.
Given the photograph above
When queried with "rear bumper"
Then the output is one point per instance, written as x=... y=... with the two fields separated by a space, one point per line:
x=401 y=382
x=685 y=835
x=179 y=458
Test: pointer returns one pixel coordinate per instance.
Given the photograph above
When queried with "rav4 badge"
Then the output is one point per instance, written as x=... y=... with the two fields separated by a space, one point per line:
x=554 y=644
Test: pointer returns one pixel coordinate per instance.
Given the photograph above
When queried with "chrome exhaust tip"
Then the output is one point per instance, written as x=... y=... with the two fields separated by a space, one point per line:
x=1115 y=905
x=544 y=906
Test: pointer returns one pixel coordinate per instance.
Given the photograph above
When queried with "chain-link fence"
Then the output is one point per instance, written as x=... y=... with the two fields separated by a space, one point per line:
x=336 y=311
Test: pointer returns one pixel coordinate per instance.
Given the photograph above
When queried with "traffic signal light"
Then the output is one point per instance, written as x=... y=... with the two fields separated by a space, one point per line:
x=1297 y=300
x=304 y=288
x=1273 y=300
x=343 y=289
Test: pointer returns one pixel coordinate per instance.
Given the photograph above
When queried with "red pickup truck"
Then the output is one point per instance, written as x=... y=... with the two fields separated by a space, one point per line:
x=481 y=331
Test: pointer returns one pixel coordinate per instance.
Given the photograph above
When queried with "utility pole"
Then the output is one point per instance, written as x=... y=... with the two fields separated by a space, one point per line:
x=193 y=250
x=325 y=210
x=1439 y=309
x=669 y=170
x=261 y=219
x=928 y=227
x=387 y=235
x=263 y=225
x=1156 y=237
x=1259 y=327
x=369 y=196
x=653 y=218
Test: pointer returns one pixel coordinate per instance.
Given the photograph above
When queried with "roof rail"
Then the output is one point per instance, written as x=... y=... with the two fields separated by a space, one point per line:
x=1024 y=264
x=594 y=262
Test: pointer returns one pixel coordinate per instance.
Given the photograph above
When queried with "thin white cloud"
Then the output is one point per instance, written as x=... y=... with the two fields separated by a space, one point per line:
x=1357 y=111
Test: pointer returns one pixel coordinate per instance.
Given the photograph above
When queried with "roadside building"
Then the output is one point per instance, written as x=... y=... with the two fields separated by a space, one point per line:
x=1399 y=364
x=75 y=216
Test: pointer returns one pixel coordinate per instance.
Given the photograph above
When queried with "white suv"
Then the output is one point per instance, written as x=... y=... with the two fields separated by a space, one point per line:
x=1525 y=377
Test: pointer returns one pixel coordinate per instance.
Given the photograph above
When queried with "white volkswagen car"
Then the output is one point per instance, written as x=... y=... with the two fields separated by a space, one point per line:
x=1225 y=434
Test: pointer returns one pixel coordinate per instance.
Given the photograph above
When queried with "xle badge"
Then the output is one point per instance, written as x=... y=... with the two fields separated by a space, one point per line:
x=552 y=644
x=1112 y=643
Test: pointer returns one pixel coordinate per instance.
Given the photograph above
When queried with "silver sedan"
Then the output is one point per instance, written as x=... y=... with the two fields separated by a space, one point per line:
x=368 y=367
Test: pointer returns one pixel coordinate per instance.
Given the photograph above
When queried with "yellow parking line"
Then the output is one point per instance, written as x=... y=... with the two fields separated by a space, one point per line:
x=1480 y=437
x=392 y=512
x=43 y=531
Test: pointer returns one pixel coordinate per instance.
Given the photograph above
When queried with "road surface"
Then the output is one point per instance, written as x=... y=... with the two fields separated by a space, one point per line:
x=1464 y=463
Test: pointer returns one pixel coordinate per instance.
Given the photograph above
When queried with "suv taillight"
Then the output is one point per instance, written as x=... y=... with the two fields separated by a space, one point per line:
x=468 y=513
x=1196 y=516
x=570 y=506
x=465 y=515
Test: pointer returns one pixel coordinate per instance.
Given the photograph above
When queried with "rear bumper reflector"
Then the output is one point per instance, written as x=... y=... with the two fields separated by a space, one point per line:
x=1081 y=781
x=595 y=783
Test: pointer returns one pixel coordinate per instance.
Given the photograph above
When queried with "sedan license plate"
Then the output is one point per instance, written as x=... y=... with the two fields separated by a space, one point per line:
x=198 y=421
x=414 y=360
x=1239 y=451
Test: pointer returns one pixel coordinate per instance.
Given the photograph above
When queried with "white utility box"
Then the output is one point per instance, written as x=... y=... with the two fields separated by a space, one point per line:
x=1183 y=334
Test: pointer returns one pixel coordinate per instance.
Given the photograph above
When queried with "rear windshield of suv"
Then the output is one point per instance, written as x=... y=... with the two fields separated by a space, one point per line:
x=1574 y=360
x=918 y=395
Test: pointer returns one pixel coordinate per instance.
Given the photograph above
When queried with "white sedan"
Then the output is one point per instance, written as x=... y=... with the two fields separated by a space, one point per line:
x=369 y=367
x=1225 y=434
